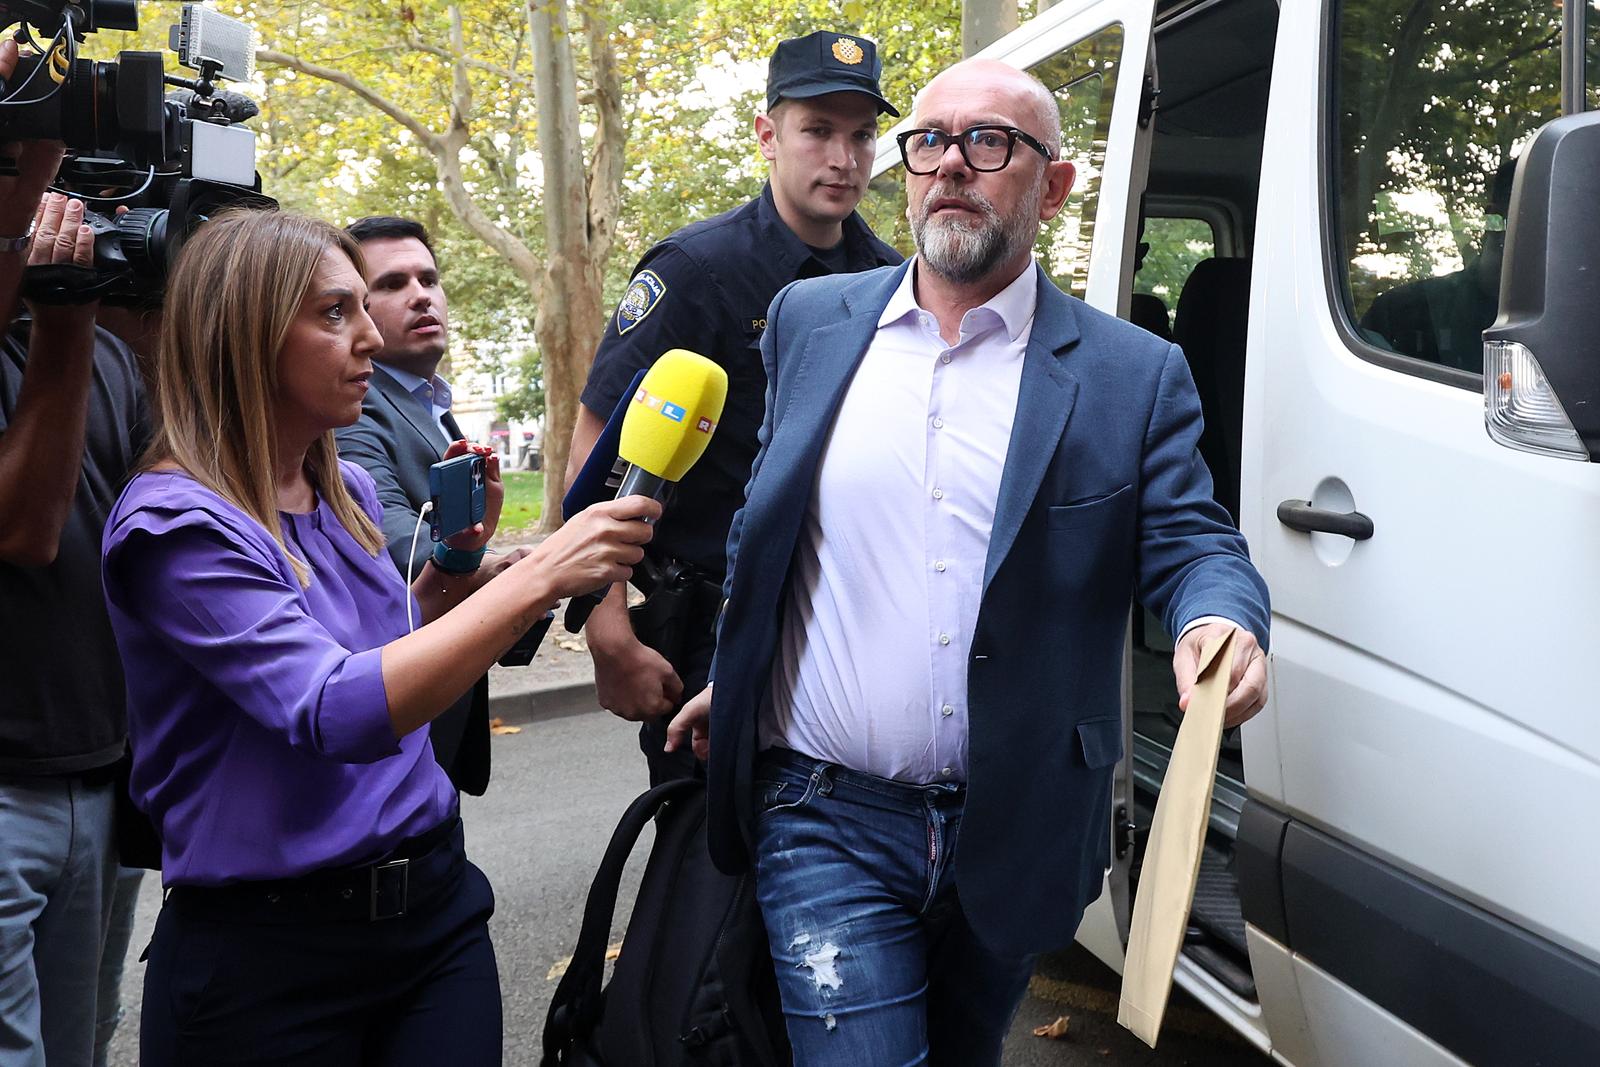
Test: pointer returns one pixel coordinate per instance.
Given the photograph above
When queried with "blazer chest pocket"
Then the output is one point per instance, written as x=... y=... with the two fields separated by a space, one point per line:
x=1088 y=512
x=1102 y=742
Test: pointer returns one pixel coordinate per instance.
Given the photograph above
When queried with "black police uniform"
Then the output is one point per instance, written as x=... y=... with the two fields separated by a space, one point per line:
x=706 y=288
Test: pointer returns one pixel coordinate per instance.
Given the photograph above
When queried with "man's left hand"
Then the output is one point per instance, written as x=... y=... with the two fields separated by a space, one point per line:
x=494 y=563
x=692 y=726
x=493 y=493
x=1247 y=678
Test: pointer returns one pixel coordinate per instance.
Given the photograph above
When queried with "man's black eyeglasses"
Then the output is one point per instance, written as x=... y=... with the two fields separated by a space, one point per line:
x=985 y=147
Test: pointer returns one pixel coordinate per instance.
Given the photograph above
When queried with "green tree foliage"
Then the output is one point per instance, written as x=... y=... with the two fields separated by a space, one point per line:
x=692 y=78
x=692 y=153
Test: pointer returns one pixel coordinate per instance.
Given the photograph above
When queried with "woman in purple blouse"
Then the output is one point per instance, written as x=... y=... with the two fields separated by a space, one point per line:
x=320 y=909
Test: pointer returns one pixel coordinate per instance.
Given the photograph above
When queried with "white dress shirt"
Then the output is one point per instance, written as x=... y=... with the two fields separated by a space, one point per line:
x=871 y=670
x=434 y=393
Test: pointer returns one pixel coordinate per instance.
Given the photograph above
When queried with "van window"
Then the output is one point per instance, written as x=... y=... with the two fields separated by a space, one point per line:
x=1083 y=77
x=1434 y=102
x=1084 y=80
x=1171 y=247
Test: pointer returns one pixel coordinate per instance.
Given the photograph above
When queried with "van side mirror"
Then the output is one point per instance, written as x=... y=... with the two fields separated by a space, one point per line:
x=1541 y=358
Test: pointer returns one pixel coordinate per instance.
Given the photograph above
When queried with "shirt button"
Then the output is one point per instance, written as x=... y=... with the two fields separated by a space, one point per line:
x=939 y=566
x=947 y=711
x=948 y=771
x=945 y=358
x=938 y=494
x=944 y=639
x=938 y=423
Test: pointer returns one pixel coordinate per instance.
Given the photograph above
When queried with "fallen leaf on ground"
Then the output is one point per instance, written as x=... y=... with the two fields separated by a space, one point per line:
x=559 y=967
x=498 y=725
x=1057 y=1029
x=572 y=644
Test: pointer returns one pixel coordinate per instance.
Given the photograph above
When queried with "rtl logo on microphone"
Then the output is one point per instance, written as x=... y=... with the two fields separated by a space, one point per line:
x=675 y=412
x=654 y=403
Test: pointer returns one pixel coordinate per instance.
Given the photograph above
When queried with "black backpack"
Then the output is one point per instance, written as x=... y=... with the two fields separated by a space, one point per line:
x=694 y=983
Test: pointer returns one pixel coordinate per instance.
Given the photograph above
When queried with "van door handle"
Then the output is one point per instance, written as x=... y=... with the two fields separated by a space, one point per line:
x=1300 y=515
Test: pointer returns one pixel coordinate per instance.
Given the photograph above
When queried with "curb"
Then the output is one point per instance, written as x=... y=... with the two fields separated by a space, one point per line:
x=544 y=702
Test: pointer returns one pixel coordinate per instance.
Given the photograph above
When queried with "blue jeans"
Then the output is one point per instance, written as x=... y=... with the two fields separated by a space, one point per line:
x=108 y=1010
x=57 y=869
x=876 y=962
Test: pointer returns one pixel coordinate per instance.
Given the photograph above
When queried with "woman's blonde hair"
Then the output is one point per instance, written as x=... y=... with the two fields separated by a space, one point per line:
x=231 y=298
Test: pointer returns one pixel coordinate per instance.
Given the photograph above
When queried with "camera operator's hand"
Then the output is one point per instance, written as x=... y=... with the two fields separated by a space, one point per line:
x=494 y=492
x=36 y=163
x=596 y=547
x=59 y=236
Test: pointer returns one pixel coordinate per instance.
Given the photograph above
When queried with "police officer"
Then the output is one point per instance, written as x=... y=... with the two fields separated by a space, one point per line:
x=706 y=288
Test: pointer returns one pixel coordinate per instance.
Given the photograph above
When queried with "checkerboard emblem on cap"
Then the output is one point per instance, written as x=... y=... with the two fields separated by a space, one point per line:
x=847 y=51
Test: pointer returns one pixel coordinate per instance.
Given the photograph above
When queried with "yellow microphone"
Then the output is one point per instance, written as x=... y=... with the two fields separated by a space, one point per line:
x=665 y=430
x=670 y=421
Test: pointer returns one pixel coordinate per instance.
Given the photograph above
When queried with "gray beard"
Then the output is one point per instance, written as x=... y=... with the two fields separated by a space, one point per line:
x=965 y=254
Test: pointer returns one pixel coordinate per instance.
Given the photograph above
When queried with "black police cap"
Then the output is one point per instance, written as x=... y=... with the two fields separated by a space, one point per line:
x=824 y=62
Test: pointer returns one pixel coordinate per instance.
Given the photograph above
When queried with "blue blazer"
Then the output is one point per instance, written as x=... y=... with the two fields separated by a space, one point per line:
x=1103 y=497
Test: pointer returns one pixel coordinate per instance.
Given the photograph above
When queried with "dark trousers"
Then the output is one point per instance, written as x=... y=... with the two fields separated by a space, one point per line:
x=693 y=664
x=234 y=981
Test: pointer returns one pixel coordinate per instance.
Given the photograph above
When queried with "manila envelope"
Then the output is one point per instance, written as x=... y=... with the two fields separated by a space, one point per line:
x=1172 y=857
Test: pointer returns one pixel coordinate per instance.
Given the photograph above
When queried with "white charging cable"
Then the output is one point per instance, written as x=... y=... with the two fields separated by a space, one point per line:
x=411 y=559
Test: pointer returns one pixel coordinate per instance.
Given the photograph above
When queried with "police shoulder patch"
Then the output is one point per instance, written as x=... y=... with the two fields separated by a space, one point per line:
x=644 y=293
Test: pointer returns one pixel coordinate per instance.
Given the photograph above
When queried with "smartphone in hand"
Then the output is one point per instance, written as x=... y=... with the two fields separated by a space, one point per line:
x=457 y=488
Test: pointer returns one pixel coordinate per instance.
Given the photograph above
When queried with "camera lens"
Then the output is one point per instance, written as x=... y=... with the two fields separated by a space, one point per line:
x=142 y=233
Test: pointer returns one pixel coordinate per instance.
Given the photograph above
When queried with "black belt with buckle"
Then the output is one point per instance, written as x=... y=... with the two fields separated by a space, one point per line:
x=407 y=878
x=390 y=889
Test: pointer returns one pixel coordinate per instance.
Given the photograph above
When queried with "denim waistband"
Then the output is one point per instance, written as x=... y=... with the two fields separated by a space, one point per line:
x=908 y=795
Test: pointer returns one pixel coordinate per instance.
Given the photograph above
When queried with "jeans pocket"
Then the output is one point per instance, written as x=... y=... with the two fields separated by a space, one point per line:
x=776 y=795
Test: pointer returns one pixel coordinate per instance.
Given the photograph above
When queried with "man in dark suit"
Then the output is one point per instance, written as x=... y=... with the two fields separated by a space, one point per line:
x=404 y=428
x=964 y=474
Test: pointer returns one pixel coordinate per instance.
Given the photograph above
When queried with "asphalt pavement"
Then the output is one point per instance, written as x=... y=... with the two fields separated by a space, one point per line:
x=559 y=785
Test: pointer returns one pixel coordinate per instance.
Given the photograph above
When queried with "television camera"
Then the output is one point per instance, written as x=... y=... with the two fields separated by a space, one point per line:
x=171 y=158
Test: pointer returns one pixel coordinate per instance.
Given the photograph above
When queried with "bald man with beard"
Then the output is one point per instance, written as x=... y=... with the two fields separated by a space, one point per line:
x=916 y=708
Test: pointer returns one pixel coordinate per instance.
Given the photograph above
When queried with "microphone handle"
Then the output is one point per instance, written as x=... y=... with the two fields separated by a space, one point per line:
x=579 y=607
x=637 y=482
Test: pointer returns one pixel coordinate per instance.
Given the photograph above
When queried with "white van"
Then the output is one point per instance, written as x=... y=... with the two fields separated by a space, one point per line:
x=1403 y=865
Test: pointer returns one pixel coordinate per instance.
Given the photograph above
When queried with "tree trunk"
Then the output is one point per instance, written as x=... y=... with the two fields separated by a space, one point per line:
x=568 y=328
x=984 y=22
x=570 y=317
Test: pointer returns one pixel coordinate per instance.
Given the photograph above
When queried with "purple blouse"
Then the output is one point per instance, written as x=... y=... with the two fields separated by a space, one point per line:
x=256 y=709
